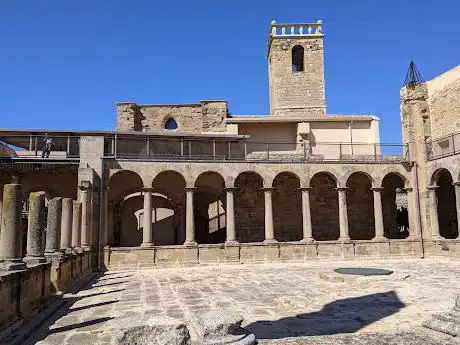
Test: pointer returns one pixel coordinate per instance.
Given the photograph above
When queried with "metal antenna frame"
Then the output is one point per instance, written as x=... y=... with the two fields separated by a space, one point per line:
x=413 y=75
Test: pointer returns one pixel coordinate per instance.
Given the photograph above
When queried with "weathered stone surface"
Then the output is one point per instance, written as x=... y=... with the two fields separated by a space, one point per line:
x=223 y=327
x=36 y=228
x=66 y=223
x=76 y=224
x=10 y=234
x=448 y=322
x=53 y=225
x=154 y=331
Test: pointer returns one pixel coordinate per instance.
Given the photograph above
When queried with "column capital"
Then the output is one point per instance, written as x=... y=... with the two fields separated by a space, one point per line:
x=84 y=185
x=456 y=184
x=147 y=189
x=341 y=189
x=230 y=189
x=304 y=189
x=190 y=189
x=432 y=187
x=267 y=189
x=377 y=189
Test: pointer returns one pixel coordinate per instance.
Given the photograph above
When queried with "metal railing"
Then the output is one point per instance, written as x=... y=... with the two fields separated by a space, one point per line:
x=243 y=150
x=29 y=146
x=443 y=147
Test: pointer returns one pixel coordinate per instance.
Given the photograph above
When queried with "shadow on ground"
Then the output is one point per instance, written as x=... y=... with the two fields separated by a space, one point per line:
x=342 y=316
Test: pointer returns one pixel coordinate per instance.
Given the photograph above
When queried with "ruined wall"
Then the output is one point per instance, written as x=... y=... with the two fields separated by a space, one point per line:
x=444 y=103
x=191 y=118
x=297 y=93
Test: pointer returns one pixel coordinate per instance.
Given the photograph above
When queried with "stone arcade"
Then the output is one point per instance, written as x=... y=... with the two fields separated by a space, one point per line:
x=183 y=184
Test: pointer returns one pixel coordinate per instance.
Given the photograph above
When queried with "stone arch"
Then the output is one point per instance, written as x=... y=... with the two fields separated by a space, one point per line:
x=121 y=184
x=331 y=172
x=446 y=203
x=287 y=207
x=209 y=204
x=397 y=170
x=324 y=205
x=360 y=206
x=395 y=206
x=169 y=227
x=346 y=177
x=249 y=207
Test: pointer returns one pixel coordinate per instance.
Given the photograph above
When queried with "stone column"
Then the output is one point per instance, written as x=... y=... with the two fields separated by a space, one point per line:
x=412 y=212
x=189 y=217
x=66 y=223
x=343 y=214
x=109 y=223
x=378 y=214
x=11 y=229
x=84 y=217
x=36 y=228
x=306 y=215
x=269 y=230
x=53 y=226
x=433 y=206
x=76 y=225
x=457 y=204
x=1 y=206
x=230 y=215
x=147 y=236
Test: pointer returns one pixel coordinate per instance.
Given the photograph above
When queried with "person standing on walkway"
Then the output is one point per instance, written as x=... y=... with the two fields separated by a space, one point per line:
x=47 y=144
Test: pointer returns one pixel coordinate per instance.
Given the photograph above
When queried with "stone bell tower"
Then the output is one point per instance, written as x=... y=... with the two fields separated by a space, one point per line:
x=296 y=69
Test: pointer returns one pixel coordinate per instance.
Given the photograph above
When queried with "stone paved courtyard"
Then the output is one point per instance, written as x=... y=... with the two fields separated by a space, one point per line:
x=277 y=300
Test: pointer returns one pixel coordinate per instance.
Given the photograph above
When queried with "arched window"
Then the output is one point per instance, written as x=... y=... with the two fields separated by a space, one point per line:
x=297 y=59
x=171 y=124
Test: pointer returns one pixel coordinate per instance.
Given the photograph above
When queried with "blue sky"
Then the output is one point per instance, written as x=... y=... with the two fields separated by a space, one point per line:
x=64 y=64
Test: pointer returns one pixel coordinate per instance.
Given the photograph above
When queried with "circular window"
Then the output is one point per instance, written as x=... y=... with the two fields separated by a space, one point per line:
x=171 y=124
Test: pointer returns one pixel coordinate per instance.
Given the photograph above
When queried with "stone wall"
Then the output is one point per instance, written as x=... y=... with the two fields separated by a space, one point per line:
x=287 y=208
x=171 y=256
x=360 y=206
x=296 y=93
x=444 y=103
x=324 y=205
x=249 y=208
x=190 y=118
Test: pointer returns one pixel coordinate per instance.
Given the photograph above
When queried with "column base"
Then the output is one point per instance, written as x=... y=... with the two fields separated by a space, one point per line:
x=190 y=244
x=33 y=260
x=345 y=239
x=379 y=239
x=232 y=243
x=307 y=240
x=77 y=250
x=437 y=238
x=147 y=245
x=270 y=241
x=12 y=265
x=54 y=256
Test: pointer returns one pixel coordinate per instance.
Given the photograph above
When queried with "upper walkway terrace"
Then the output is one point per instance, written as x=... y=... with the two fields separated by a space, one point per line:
x=26 y=145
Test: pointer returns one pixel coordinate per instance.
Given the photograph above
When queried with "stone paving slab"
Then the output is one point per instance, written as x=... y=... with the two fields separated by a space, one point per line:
x=278 y=301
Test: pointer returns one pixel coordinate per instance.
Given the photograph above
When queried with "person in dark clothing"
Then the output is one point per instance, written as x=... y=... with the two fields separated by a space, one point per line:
x=402 y=219
x=47 y=144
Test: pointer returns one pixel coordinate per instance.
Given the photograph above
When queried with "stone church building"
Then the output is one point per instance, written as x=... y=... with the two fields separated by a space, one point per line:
x=190 y=183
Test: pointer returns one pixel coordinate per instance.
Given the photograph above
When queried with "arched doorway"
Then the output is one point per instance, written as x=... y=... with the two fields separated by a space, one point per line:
x=324 y=203
x=360 y=206
x=209 y=208
x=395 y=207
x=287 y=207
x=249 y=208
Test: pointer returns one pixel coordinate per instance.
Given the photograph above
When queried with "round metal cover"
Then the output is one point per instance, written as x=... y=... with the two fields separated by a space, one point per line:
x=363 y=271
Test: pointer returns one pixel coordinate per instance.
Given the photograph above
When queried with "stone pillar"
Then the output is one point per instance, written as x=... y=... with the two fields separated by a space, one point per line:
x=76 y=224
x=84 y=217
x=109 y=223
x=147 y=235
x=11 y=229
x=53 y=226
x=433 y=206
x=230 y=215
x=378 y=214
x=269 y=230
x=66 y=223
x=306 y=215
x=36 y=228
x=343 y=214
x=189 y=217
x=412 y=210
x=1 y=206
x=457 y=204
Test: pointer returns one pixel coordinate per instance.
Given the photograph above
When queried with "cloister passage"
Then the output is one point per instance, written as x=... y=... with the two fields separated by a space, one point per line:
x=446 y=204
x=262 y=210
